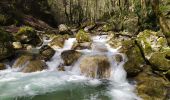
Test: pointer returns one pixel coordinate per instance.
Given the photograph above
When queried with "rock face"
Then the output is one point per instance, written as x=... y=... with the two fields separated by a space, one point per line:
x=97 y=66
x=27 y=64
x=27 y=35
x=6 y=48
x=46 y=52
x=70 y=56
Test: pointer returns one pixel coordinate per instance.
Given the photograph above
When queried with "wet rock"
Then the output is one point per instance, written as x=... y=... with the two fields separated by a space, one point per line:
x=46 y=52
x=6 y=48
x=58 y=41
x=150 y=86
x=118 y=58
x=135 y=62
x=151 y=42
x=83 y=36
x=96 y=66
x=17 y=45
x=27 y=35
x=160 y=60
x=29 y=63
x=2 y=66
x=70 y=56
x=80 y=46
x=107 y=27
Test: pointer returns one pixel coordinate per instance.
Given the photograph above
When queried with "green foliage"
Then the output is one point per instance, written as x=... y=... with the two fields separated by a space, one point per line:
x=3 y=19
x=26 y=30
x=83 y=36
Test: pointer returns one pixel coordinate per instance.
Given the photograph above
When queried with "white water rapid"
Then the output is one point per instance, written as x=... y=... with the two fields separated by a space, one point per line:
x=51 y=84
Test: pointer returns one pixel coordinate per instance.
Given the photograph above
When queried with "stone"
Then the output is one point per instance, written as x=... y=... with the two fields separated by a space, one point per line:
x=80 y=46
x=160 y=60
x=17 y=45
x=97 y=66
x=150 y=86
x=46 y=52
x=83 y=36
x=27 y=35
x=151 y=42
x=29 y=63
x=70 y=57
x=64 y=29
x=2 y=66
x=58 y=41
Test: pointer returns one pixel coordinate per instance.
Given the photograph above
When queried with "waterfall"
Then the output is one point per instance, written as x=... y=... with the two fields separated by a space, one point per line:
x=70 y=84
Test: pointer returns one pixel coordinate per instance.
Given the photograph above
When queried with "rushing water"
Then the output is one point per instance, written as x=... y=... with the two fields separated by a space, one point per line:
x=51 y=84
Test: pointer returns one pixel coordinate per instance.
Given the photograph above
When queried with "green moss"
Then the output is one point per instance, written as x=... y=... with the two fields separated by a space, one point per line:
x=3 y=19
x=26 y=30
x=83 y=36
x=107 y=27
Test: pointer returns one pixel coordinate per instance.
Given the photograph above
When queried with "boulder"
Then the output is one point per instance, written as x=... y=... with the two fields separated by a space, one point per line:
x=160 y=61
x=97 y=66
x=151 y=42
x=6 y=48
x=2 y=66
x=83 y=36
x=80 y=46
x=46 y=52
x=58 y=41
x=70 y=56
x=27 y=35
x=135 y=62
x=29 y=63
x=151 y=86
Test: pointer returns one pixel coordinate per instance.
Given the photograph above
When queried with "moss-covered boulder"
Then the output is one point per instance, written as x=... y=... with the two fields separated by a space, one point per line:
x=97 y=66
x=29 y=63
x=80 y=46
x=83 y=36
x=151 y=42
x=27 y=35
x=6 y=48
x=135 y=60
x=2 y=66
x=70 y=57
x=58 y=41
x=151 y=86
x=160 y=60
x=46 y=52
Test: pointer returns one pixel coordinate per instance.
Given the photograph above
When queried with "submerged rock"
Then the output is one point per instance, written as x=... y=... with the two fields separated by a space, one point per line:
x=46 y=52
x=97 y=66
x=2 y=66
x=70 y=56
x=29 y=63
x=27 y=35
x=6 y=48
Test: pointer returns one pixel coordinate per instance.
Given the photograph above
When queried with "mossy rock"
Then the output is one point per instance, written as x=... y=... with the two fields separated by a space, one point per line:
x=160 y=60
x=58 y=41
x=83 y=36
x=29 y=63
x=46 y=52
x=27 y=35
x=108 y=27
x=6 y=48
x=150 y=86
x=151 y=41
